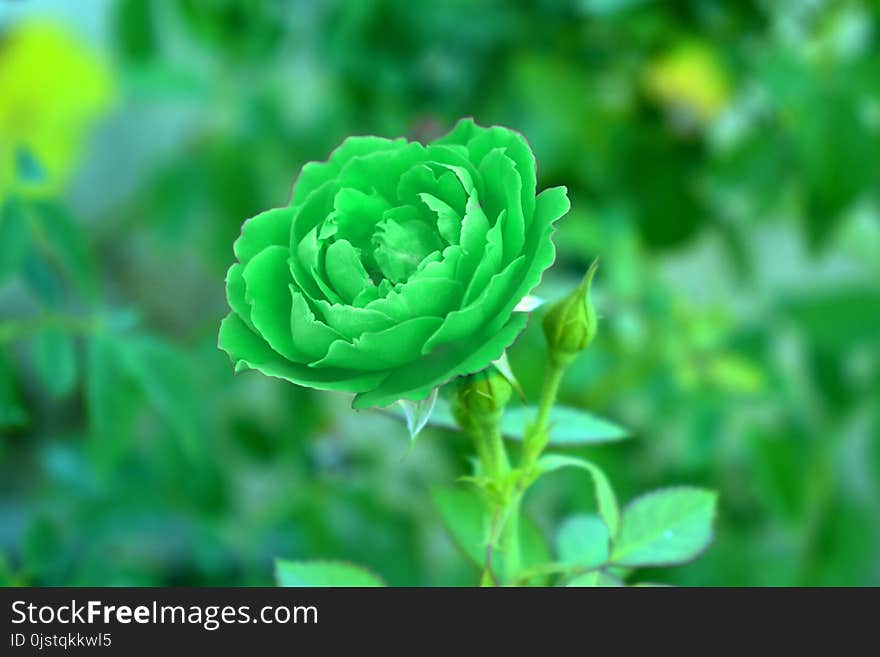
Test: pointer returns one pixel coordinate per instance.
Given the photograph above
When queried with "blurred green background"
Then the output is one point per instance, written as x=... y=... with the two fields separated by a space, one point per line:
x=721 y=157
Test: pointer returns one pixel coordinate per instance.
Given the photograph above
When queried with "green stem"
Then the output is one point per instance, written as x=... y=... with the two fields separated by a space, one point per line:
x=504 y=530
x=550 y=569
x=510 y=539
x=535 y=440
x=505 y=512
x=490 y=448
x=497 y=453
x=539 y=433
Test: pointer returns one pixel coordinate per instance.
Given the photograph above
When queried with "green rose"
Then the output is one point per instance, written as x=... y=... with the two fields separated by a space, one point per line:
x=396 y=267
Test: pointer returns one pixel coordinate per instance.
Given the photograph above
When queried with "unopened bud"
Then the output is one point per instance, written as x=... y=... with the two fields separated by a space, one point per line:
x=480 y=398
x=571 y=323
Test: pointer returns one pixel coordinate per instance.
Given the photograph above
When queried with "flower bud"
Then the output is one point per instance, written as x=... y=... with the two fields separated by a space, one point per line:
x=480 y=398
x=571 y=323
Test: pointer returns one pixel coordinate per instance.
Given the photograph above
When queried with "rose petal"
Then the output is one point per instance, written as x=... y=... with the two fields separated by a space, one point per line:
x=315 y=174
x=345 y=271
x=400 y=245
x=265 y=229
x=371 y=351
x=517 y=149
x=448 y=219
x=490 y=263
x=459 y=324
x=351 y=321
x=266 y=278
x=416 y=380
x=248 y=351
x=235 y=293
x=502 y=192
x=421 y=296
x=312 y=337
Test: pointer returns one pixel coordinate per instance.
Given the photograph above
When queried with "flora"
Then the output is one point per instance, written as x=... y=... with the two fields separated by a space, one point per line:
x=398 y=268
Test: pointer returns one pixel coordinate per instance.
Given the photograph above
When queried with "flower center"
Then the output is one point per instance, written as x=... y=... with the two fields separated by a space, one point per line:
x=373 y=245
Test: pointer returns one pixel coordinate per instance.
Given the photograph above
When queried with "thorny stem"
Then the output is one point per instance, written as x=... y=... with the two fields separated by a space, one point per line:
x=509 y=485
x=496 y=468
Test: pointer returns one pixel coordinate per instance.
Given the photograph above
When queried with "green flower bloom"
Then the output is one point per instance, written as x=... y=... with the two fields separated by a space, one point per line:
x=396 y=267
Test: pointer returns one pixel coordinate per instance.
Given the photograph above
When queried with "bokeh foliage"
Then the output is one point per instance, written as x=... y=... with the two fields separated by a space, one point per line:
x=723 y=159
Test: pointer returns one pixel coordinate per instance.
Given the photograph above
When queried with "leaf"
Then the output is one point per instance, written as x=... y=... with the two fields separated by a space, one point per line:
x=54 y=358
x=165 y=376
x=43 y=550
x=418 y=413
x=595 y=578
x=569 y=426
x=666 y=527
x=606 y=501
x=42 y=280
x=66 y=243
x=111 y=400
x=12 y=413
x=464 y=516
x=583 y=540
x=324 y=574
x=15 y=231
x=837 y=318
x=533 y=545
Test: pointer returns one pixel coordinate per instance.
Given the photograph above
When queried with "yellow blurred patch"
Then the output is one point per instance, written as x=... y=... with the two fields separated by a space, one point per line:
x=52 y=88
x=690 y=82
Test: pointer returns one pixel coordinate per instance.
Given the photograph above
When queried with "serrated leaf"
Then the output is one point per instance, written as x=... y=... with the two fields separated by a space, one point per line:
x=595 y=578
x=15 y=237
x=324 y=574
x=606 y=501
x=665 y=527
x=582 y=540
x=570 y=427
x=54 y=357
